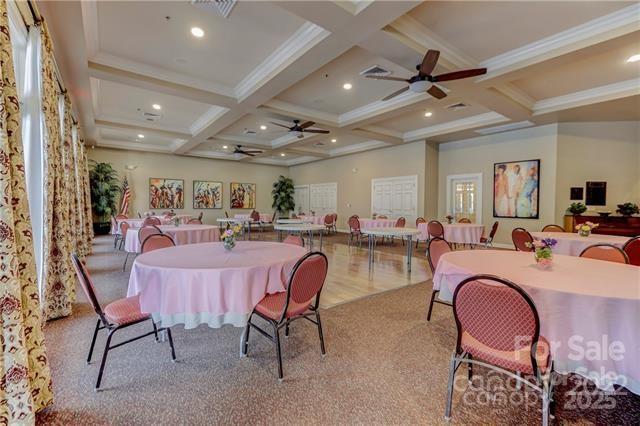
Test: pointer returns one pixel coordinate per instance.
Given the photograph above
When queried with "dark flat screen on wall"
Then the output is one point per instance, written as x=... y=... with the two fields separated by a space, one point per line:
x=596 y=194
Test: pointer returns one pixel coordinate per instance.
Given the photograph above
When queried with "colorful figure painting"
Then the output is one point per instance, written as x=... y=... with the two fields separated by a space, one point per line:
x=166 y=193
x=243 y=195
x=516 y=189
x=207 y=195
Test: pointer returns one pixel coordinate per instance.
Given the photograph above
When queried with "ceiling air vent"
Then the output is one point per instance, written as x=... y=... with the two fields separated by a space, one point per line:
x=319 y=144
x=222 y=7
x=249 y=132
x=376 y=70
x=457 y=106
x=149 y=116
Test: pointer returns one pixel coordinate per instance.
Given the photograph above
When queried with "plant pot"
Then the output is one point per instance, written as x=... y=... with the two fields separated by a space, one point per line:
x=101 y=228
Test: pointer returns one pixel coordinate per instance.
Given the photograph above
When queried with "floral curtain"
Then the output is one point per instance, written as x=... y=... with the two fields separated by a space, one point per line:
x=59 y=280
x=69 y=162
x=86 y=248
x=25 y=379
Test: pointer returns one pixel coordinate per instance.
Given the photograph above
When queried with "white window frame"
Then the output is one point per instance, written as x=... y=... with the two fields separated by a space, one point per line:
x=295 y=189
x=325 y=184
x=478 y=178
x=413 y=178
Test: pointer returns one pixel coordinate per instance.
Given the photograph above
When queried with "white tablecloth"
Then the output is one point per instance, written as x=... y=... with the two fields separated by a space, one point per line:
x=572 y=244
x=461 y=233
x=183 y=234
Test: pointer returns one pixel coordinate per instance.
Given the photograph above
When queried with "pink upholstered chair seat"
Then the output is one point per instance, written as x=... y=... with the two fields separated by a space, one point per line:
x=124 y=311
x=517 y=360
x=272 y=305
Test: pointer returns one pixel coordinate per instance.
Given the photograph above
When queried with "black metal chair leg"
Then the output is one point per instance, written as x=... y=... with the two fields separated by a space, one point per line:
x=104 y=358
x=320 y=333
x=124 y=265
x=93 y=341
x=155 y=329
x=245 y=347
x=173 y=350
x=286 y=329
x=433 y=296
x=276 y=339
x=470 y=369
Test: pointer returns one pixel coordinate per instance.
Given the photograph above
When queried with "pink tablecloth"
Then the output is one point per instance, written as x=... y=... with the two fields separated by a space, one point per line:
x=205 y=284
x=377 y=223
x=461 y=233
x=183 y=234
x=264 y=217
x=572 y=244
x=135 y=223
x=580 y=302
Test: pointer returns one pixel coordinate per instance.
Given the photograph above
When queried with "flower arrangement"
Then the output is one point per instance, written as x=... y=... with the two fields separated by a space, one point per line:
x=543 y=251
x=176 y=221
x=229 y=236
x=584 y=229
x=449 y=219
x=576 y=209
x=627 y=209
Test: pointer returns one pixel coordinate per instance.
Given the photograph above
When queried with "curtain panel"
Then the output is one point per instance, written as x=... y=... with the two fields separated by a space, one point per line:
x=85 y=194
x=25 y=379
x=59 y=278
x=70 y=173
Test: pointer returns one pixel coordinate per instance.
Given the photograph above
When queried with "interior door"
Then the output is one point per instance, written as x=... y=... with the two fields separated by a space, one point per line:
x=301 y=198
x=465 y=197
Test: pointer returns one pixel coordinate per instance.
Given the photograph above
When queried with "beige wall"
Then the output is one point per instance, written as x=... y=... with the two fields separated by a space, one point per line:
x=354 y=189
x=477 y=155
x=189 y=168
x=607 y=151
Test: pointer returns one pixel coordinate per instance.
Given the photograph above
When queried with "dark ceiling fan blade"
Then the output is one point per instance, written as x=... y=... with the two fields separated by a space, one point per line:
x=307 y=124
x=436 y=92
x=248 y=153
x=429 y=62
x=381 y=77
x=396 y=93
x=324 y=132
x=252 y=151
x=457 y=75
x=278 y=124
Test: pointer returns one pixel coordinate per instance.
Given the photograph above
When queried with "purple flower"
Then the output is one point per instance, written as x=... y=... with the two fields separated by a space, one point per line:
x=549 y=242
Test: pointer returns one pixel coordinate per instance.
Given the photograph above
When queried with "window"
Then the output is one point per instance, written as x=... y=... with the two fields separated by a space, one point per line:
x=395 y=196
x=323 y=198
x=18 y=33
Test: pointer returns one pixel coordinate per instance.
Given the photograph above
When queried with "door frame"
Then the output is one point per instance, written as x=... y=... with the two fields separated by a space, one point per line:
x=471 y=176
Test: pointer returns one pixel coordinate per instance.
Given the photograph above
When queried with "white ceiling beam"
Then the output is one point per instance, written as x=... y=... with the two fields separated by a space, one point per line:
x=135 y=127
x=130 y=146
x=311 y=152
x=370 y=134
x=472 y=122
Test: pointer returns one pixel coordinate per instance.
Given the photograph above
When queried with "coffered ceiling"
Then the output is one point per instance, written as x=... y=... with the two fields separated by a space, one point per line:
x=275 y=62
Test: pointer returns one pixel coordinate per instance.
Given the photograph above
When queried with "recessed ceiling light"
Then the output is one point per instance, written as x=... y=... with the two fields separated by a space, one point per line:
x=156 y=106
x=141 y=136
x=634 y=58
x=334 y=140
x=197 y=32
x=428 y=114
x=224 y=147
x=347 y=86
x=263 y=127
x=282 y=154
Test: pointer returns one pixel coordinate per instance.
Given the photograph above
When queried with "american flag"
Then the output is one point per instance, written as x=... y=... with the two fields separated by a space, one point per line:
x=124 y=201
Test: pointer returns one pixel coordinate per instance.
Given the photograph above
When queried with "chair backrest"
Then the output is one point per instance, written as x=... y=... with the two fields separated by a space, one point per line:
x=464 y=220
x=420 y=220
x=155 y=242
x=294 y=216
x=226 y=214
x=553 y=228
x=194 y=221
x=607 y=252
x=520 y=238
x=151 y=221
x=255 y=216
x=122 y=216
x=498 y=314
x=200 y=216
x=124 y=228
x=87 y=286
x=436 y=248
x=114 y=224
x=139 y=215
x=295 y=240
x=145 y=231
x=494 y=229
x=632 y=249
x=273 y=217
x=401 y=222
x=354 y=224
x=382 y=216
x=306 y=280
x=328 y=219
x=435 y=229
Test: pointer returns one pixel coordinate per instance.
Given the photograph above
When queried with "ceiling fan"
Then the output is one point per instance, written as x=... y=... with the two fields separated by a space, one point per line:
x=250 y=152
x=300 y=129
x=423 y=81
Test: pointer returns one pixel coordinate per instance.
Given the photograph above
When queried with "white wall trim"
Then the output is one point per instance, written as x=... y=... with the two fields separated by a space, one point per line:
x=478 y=178
x=474 y=121
x=380 y=107
x=363 y=146
x=207 y=119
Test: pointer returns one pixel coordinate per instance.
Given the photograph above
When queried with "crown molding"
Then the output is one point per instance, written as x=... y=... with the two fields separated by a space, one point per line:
x=262 y=143
x=213 y=155
x=381 y=107
x=304 y=39
x=119 y=123
x=207 y=119
x=354 y=7
x=455 y=126
x=616 y=24
x=363 y=146
x=370 y=134
x=89 y=11
x=131 y=146
x=594 y=95
x=94 y=84
x=517 y=95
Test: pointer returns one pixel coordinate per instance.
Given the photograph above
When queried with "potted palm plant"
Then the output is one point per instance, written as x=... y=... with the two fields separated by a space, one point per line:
x=103 y=181
x=282 y=193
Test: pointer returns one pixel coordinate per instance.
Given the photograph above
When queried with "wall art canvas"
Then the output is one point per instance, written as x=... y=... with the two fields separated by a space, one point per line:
x=516 y=189
x=166 y=193
x=243 y=195
x=207 y=194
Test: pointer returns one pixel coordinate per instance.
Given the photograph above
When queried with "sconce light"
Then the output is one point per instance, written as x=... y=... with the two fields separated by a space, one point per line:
x=130 y=167
x=354 y=170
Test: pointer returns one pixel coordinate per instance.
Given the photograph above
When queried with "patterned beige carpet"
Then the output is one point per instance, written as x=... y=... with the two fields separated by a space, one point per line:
x=385 y=365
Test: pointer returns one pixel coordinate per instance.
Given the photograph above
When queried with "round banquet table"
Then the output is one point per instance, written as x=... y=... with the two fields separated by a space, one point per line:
x=264 y=217
x=135 y=223
x=294 y=221
x=181 y=235
x=376 y=223
x=581 y=303
x=572 y=244
x=206 y=284
x=372 y=233
x=300 y=228
x=459 y=233
x=246 y=223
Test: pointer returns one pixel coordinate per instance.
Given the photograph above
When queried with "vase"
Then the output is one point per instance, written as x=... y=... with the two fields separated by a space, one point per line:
x=543 y=262
x=229 y=244
x=584 y=233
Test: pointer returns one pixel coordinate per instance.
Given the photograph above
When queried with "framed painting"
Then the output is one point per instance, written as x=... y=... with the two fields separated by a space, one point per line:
x=207 y=194
x=243 y=195
x=166 y=193
x=516 y=189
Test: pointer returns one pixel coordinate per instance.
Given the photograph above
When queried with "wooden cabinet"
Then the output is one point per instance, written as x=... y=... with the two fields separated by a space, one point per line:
x=611 y=225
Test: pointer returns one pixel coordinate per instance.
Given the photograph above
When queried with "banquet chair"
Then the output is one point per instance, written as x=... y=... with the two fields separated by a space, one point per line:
x=295 y=240
x=499 y=329
x=115 y=316
x=139 y=215
x=464 y=220
x=553 y=228
x=115 y=231
x=632 y=249
x=522 y=239
x=488 y=241
x=200 y=216
x=256 y=220
x=435 y=229
x=335 y=222
x=436 y=247
x=354 y=230
x=124 y=228
x=382 y=216
x=151 y=221
x=194 y=221
x=607 y=252
x=155 y=242
x=418 y=222
x=400 y=223
x=328 y=222
x=226 y=214
x=297 y=301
